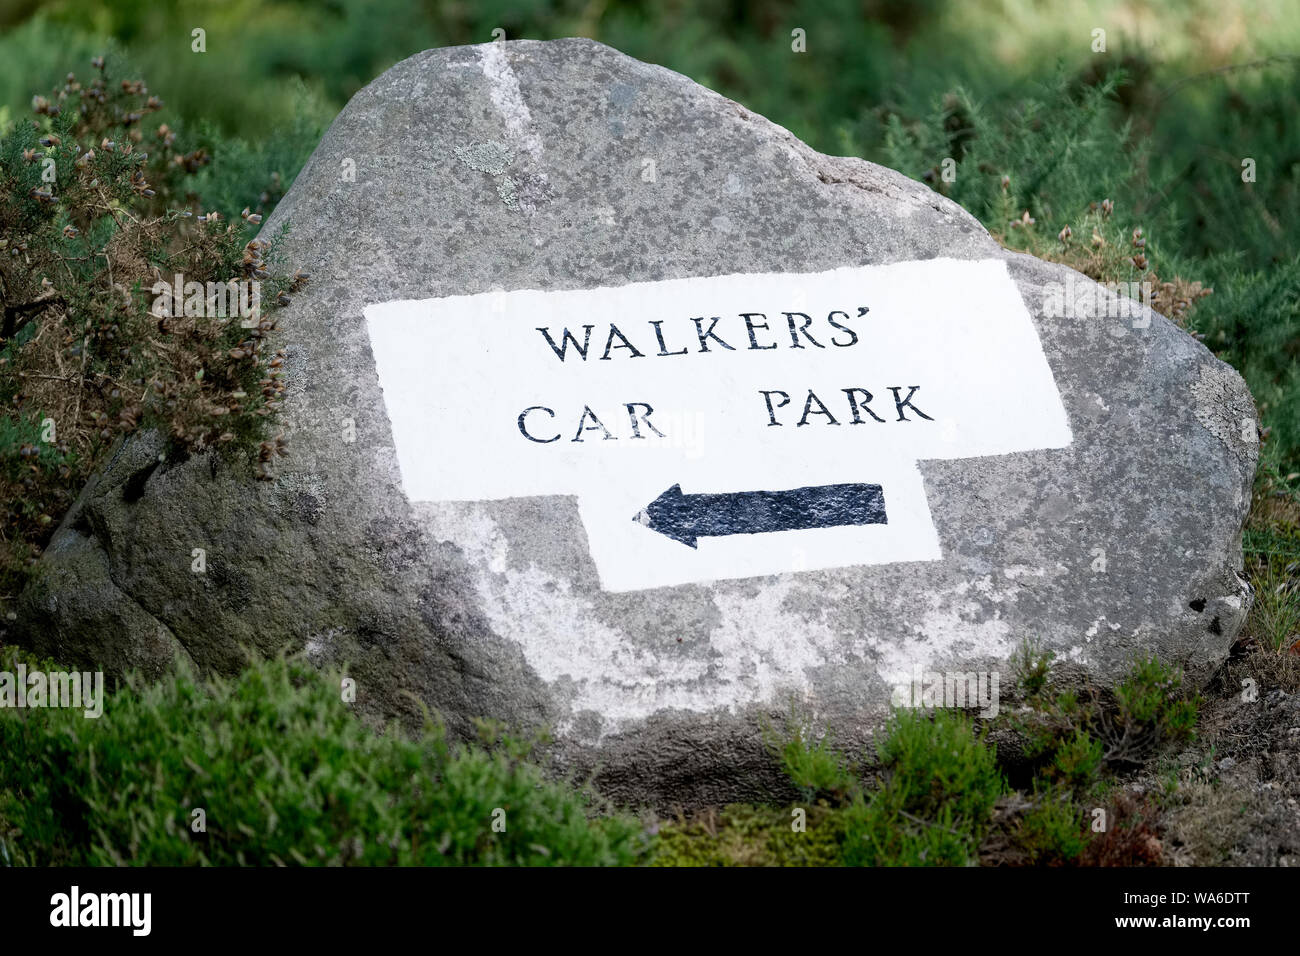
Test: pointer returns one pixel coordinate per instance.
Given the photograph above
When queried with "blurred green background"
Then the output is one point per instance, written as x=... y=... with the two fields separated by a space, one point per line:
x=1160 y=122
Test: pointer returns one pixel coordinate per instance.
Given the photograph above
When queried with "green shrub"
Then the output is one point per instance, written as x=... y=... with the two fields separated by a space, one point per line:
x=1078 y=761
x=284 y=774
x=1100 y=173
x=1078 y=733
x=939 y=783
x=1032 y=666
x=1054 y=830
x=1151 y=712
x=814 y=766
x=939 y=798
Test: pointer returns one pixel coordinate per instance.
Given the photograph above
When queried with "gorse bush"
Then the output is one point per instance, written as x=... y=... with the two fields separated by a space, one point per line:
x=96 y=210
x=284 y=773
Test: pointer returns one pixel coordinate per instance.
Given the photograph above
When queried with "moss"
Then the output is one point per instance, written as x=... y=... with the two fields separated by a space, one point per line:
x=749 y=835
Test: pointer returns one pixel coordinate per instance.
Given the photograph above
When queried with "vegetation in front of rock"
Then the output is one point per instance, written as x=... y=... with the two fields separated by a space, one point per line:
x=938 y=783
x=1074 y=733
x=937 y=793
x=1076 y=741
x=929 y=802
x=284 y=774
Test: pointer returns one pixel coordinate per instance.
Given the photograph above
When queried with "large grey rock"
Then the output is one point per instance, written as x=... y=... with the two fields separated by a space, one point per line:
x=519 y=165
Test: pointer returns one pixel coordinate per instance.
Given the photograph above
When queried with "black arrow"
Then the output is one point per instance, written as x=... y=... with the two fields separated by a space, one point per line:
x=686 y=518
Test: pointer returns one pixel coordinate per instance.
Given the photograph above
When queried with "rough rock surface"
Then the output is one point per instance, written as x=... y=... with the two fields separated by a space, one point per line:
x=519 y=165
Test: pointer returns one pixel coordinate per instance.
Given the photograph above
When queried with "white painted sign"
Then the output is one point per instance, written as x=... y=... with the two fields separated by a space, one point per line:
x=720 y=427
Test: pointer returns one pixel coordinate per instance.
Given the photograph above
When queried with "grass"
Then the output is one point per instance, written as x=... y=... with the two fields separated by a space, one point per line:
x=1271 y=545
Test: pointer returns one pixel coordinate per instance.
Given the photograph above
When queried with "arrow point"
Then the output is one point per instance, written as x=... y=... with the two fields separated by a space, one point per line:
x=665 y=515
